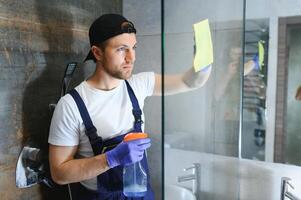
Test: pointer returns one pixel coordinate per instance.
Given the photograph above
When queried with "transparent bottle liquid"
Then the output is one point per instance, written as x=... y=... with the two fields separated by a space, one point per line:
x=134 y=180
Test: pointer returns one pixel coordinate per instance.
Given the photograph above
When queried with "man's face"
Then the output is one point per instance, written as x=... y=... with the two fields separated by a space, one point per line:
x=119 y=56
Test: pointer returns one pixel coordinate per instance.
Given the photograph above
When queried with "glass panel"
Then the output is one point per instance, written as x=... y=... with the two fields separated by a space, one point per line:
x=201 y=127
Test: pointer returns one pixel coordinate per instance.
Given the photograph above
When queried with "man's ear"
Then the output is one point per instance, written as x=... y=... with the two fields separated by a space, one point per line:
x=97 y=52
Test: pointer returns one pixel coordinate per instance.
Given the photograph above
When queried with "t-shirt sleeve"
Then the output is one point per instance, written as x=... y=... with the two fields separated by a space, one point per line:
x=64 y=128
x=143 y=83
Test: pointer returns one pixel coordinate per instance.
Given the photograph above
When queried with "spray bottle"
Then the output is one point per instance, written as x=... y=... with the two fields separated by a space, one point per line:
x=134 y=175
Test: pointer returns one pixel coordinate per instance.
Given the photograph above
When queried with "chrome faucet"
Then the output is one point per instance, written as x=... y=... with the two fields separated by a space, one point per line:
x=285 y=184
x=194 y=177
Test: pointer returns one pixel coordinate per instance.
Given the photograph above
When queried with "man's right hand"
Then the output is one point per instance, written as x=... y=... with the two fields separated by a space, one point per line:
x=127 y=153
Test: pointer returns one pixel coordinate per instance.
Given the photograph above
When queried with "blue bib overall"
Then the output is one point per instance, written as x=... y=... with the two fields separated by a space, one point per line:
x=109 y=183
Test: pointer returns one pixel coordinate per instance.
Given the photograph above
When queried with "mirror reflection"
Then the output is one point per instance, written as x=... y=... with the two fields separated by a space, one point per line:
x=271 y=105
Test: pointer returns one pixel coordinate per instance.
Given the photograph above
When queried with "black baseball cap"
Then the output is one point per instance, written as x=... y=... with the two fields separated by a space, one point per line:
x=106 y=27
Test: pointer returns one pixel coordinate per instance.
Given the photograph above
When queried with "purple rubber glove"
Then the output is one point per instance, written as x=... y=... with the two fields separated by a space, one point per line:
x=127 y=153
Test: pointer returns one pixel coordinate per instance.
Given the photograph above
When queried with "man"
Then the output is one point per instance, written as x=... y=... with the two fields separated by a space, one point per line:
x=86 y=146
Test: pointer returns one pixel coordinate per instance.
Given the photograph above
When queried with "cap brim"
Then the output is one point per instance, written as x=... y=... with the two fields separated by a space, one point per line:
x=90 y=56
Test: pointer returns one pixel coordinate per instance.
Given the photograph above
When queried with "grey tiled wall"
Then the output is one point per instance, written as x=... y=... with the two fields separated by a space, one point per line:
x=38 y=38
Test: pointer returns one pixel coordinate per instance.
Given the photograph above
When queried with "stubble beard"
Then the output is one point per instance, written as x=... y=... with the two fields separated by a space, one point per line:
x=119 y=74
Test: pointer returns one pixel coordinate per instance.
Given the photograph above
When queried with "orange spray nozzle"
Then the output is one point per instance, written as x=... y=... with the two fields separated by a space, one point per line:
x=134 y=136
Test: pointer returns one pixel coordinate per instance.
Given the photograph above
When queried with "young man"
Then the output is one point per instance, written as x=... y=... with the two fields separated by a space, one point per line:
x=86 y=145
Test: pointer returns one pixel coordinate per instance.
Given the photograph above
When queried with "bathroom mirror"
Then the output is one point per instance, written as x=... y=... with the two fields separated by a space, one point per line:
x=271 y=123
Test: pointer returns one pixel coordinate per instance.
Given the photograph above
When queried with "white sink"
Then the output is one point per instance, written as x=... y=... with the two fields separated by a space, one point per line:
x=174 y=192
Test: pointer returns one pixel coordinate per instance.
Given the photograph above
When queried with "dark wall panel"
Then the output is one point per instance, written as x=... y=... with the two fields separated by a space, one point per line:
x=37 y=39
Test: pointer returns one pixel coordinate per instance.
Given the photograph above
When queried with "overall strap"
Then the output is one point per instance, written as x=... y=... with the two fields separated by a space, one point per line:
x=91 y=131
x=136 y=108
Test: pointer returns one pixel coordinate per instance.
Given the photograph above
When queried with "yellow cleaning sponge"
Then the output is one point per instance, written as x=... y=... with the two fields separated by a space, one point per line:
x=203 y=45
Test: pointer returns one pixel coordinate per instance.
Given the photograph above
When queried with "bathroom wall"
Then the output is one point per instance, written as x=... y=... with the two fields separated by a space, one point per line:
x=146 y=15
x=38 y=38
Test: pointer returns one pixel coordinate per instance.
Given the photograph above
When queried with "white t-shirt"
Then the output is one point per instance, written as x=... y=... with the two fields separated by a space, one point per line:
x=110 y=112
